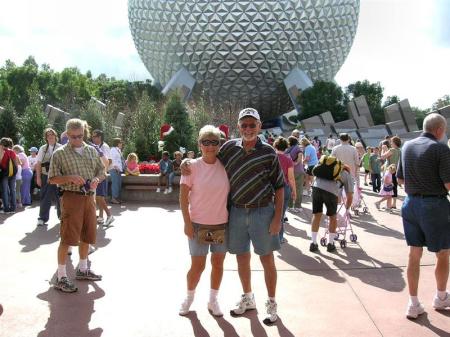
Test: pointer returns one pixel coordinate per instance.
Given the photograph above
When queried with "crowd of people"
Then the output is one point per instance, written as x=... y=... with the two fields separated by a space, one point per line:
x=250 y=185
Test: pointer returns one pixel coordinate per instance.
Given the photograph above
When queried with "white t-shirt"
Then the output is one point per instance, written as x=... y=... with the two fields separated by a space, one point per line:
x=209 y=192
x=32 y=160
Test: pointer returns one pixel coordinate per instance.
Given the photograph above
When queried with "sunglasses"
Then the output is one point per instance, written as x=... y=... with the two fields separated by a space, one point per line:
x=245 y=125
x=207 y=142
x=76 y=136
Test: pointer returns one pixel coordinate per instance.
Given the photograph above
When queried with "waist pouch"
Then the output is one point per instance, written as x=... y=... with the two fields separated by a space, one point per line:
x=211 y=234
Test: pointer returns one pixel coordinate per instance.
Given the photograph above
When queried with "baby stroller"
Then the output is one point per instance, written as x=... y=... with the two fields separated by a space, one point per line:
x=358 y=201
x=343 y=226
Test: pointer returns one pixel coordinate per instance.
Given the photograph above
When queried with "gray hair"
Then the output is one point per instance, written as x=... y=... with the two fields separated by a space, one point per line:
x=433 y=121
x=18 y=148
x=75 y=124
x=208 y=131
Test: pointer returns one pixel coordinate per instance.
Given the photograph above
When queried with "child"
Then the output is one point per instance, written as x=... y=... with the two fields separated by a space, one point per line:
x=165 y=168
x=388 y=187
x=365 y=164
x=131 y=165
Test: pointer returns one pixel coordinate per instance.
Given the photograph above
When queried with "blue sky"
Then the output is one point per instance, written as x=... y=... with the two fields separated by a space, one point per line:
x=403 y=44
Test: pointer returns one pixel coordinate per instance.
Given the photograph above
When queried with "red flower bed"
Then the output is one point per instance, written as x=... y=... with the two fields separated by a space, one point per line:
x=149 y=168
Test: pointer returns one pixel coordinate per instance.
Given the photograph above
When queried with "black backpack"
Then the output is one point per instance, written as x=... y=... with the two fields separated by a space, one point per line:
x=329 y=168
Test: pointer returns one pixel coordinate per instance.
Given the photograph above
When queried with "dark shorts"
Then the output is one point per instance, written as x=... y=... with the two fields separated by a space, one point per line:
x=426 y=222
x=309 y=170
x=78 y=219
x=102 y=189
x=320 y=197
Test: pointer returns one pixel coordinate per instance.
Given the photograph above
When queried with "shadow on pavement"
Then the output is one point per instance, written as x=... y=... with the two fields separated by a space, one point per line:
x=197 y=327
x=70 y=314
x=425 y=322
x=255 y=325
x=369 y=224
x=310 y=265
x=39 y=236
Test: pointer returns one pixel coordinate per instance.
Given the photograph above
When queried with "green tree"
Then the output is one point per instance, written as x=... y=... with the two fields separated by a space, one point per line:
x=176 y=115
x=93 y=115
x=9 y=123
x=321 y=97
x=441 y=102
x=420 y=115
x=373 y=93
x=33 y=121
x=391 y=100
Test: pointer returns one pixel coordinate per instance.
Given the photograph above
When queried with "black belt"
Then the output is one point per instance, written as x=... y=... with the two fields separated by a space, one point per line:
x=440 y=196
x=264 y=203
x=88 y=193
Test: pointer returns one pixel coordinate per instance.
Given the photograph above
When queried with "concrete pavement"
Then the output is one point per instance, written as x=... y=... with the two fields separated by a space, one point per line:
x=359 y=290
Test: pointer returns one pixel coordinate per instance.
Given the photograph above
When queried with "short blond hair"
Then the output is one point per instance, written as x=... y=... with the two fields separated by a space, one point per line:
x=75 y=124
x=208 y=131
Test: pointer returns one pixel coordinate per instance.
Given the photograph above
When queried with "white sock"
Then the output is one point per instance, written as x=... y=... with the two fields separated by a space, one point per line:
x=61 y=271
x=414 y=300
x=249 y=295
x=83 y=265
x=213 y=295
x=331 y=238
x=442 y=295
x=191 y=294
x=272 y=299
x=314 y=237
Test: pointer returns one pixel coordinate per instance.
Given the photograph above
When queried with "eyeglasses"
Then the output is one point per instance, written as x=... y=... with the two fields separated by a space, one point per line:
x=245 y=125
x=76 y=136
x=207 y=142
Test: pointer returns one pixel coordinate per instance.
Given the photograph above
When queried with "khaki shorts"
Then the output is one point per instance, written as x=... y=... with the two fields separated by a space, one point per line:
x=78 y=219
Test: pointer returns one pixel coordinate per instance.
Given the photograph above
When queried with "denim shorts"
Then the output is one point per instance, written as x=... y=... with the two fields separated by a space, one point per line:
x=251 y=225
x=426 y=222
x=102 y=189
x=202 y=249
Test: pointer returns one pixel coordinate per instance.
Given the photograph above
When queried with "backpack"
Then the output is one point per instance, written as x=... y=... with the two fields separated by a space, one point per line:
x=11 y=168
x=329 y=168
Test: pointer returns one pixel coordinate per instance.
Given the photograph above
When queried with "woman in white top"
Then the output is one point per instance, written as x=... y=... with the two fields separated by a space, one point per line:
x=203 y=201
x=116 y=169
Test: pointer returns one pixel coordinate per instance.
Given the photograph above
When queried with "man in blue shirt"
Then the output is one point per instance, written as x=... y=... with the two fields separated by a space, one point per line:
x=424 y=169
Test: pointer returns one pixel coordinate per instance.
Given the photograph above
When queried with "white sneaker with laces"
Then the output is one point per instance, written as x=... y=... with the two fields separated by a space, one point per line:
x=246 y=303
x=413 y=311
x=109 y=221
x=439 y=304
x=184 y=308
x=158 y=190
x=214 y=309
x=271 y=310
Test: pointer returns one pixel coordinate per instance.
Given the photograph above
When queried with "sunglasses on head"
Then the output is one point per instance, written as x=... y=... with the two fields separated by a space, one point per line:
x=207 y=142
x=76 y=136
x=250 y=125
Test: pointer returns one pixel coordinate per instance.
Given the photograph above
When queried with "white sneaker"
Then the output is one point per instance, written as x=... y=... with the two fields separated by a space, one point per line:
x=158 y=190
x=184 y=308
x=214 y=309
x=246 y=303
x=413 y=311
x=271 y=309
x=100 y=221
x=170 y=190
x=40 y=222
x=166 y=191
x=109 y=221
x=441 y=304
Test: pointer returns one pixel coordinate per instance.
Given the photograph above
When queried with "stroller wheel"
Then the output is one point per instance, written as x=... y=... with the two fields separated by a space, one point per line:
x=353 y=237
x=343 y=243
x=365 y=210
x=323 y=242
x=356 y=212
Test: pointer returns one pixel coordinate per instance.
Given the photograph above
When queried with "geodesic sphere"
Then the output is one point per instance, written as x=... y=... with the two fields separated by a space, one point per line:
x=240 y=52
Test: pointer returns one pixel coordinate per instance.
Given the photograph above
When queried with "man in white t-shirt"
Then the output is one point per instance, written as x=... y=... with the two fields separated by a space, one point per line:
x=347 y=154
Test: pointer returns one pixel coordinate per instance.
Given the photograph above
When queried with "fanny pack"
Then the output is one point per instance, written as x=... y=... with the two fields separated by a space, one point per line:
x=211 y=234
x=388 y=188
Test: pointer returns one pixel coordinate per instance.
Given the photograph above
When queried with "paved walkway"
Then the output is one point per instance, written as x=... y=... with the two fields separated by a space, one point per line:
x=357 y=291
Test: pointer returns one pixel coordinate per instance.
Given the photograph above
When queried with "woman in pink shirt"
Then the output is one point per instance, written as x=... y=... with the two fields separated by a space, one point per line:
x=203 y=201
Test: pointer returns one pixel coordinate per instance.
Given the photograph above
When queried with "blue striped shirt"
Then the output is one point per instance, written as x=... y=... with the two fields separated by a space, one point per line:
x=425 y=166
x=254 y=176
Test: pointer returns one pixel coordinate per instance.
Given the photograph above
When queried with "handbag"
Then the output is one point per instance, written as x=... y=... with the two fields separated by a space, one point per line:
x=211 y=234
x=388 y=188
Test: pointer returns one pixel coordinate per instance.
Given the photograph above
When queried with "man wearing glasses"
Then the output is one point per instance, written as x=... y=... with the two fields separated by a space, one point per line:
x=77 y=169
x=256 y=194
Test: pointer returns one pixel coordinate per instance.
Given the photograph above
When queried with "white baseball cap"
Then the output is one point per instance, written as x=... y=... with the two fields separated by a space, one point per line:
x=249 y=112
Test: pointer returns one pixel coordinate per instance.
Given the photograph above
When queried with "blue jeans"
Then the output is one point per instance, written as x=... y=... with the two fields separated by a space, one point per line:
x=27 y=175
x=9 y=194
x=287 y=198
x=116 y=183
x=48 y=193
